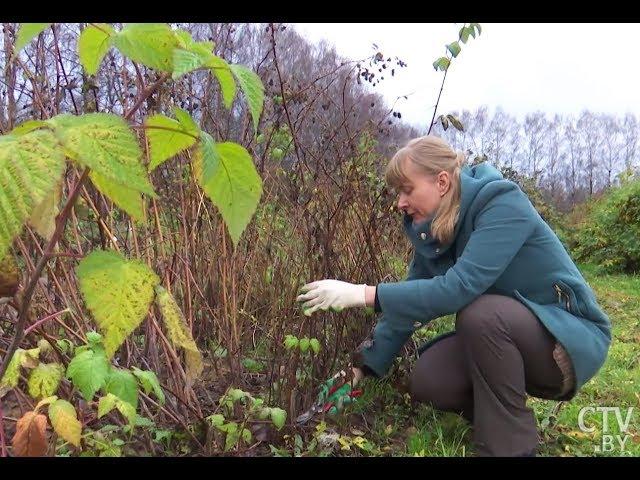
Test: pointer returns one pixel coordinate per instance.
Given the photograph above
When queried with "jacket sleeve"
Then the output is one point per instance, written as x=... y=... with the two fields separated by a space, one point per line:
x=385 y=336
x=501 y=229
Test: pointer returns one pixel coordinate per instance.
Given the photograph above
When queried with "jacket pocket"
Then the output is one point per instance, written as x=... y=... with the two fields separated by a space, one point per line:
x=567 y=298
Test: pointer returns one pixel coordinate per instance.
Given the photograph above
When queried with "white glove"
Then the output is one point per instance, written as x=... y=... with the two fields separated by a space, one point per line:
x=334 y=294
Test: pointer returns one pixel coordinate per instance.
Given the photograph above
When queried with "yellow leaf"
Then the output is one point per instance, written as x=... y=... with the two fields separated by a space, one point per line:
x=43 y=218
x=118 y=292
x=44 y=379
x=30 y=166
x=12 y=375
x=179 y=333
x=359 y=442
x=321 y=427
x=65 y=422
x=45 y=401
x=345 y=442
x=30 y=358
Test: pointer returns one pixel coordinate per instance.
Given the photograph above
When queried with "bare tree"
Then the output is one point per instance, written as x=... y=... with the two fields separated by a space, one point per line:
x=612 y=146
x=498 y=130
x=629 y=130
x=591 y=137
x=575 y=162
x=535 y=129
x=555 y=157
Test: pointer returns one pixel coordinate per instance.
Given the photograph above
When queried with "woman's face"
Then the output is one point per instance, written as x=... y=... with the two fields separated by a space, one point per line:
x=421 y=195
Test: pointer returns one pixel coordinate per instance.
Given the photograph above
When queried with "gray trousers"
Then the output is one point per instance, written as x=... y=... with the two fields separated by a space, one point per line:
x=499 y=353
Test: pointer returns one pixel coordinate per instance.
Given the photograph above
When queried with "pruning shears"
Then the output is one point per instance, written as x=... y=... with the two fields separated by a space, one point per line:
x=334 y=393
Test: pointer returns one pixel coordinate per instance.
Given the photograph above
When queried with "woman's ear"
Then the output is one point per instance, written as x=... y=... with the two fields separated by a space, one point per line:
x=444 y=183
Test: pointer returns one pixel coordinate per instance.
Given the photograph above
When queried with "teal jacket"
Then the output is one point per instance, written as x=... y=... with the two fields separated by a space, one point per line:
x=501 y=246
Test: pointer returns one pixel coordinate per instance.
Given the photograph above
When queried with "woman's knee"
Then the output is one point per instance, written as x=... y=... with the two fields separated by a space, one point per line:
x=437 y=394
x=422 y=387
x=439 y=377
x=481 y=316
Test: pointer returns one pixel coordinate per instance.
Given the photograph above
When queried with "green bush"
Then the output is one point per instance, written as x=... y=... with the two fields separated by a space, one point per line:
x=609 y=234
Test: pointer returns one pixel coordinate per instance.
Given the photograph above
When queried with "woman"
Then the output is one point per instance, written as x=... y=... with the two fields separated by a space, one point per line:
x=527 y=323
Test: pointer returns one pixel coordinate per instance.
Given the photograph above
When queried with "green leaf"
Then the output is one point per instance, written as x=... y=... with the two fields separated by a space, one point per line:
x=230 y=427
x=208 y=151
x=44 y=379
x=65 y=345
x=315 y=345
x=179 y=333
x=144 y=422
x=184 y=38
x=253 y=89
x=236 y=394
x=197 y=55
x=232 y=435
x=65 y=421
x=28 y=126
x=216 y=419
x=106 y=404
x=464 y=34
x=30 y=167
x=186 y=122
x=278 y=417
x=105 y=143
x=475 y=26
x=246 y=435
x=189 y=54
x=167 y=137
x=235 y=187
x=88 y=371
x=95 y=339
x=127 y=199
x=222 y=71
x=454 y=48
x=304 y=344
x=151 y=44
x=123 y=384
x=252 y=365
x=109 y=401
x=264 y=413
x=27 y=32
x=441 y=64
x=93 y=44
x=290 y=342
x=118 y=292
x=277 y=153
x=149 y=382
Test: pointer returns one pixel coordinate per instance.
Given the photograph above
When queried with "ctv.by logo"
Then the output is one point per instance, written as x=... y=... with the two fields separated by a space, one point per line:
x=608 y=440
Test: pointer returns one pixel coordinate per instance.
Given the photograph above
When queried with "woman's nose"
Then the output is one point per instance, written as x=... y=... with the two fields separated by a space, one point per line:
x=402 y=202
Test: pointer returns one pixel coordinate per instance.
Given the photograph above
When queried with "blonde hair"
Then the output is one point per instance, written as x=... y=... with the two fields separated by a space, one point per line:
x=432 y=155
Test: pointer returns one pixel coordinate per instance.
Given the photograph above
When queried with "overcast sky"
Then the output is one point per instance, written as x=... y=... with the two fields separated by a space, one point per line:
x=524 y=67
